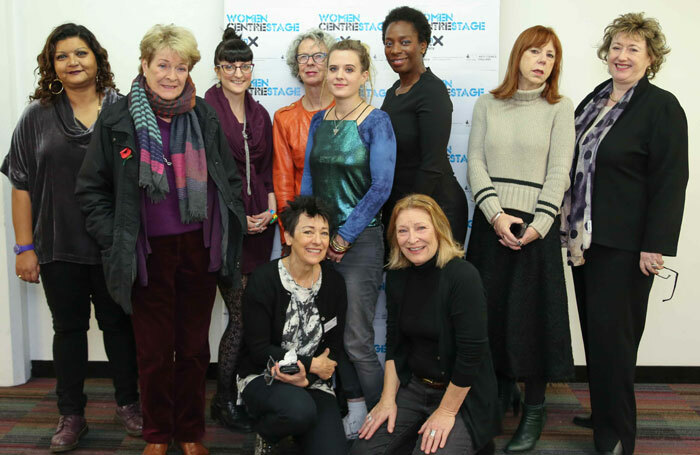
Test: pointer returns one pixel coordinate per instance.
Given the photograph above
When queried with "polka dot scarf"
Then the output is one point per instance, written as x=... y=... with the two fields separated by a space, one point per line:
x=576 y=223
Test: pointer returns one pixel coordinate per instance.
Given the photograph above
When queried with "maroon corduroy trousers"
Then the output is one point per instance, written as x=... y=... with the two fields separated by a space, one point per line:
x=171 y=326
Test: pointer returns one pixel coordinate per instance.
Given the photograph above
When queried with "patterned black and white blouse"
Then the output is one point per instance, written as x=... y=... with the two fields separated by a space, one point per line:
x=302 y=330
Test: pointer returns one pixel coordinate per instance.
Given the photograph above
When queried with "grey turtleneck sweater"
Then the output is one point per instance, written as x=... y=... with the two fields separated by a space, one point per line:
x=520 y=152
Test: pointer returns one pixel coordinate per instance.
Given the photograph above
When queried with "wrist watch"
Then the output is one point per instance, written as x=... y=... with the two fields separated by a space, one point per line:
x=22 y=248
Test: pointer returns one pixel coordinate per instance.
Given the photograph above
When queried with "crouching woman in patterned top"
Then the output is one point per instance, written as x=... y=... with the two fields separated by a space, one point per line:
x=296 y=305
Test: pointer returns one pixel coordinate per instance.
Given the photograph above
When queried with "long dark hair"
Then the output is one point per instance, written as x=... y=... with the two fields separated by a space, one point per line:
x=232 y=48
x=47 y=73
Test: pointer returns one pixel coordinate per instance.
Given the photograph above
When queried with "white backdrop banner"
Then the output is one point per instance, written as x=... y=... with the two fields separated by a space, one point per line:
x=463 y=52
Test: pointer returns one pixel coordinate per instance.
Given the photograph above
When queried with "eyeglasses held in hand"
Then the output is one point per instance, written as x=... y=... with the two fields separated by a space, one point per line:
x=229 y=69
x=319 y=57
x=675 y=281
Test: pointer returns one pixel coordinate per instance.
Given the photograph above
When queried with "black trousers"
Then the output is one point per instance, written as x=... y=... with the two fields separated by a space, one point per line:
x=69 y=288
x=312 y=417
x=612 y=296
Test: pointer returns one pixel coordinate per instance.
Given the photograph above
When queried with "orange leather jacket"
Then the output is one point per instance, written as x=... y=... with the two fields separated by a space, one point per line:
x=290 y=131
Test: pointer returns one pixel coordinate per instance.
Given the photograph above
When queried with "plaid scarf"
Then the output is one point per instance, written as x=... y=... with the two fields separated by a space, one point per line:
x=186 y=148
x=577 y=206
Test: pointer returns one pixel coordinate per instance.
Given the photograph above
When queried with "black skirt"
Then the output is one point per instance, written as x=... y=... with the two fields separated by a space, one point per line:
x=528 y=315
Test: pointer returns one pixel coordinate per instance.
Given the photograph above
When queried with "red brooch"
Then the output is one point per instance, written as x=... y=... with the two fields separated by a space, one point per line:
x=125 y=153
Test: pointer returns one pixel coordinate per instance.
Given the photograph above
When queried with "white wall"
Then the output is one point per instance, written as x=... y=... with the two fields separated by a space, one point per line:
x=671 y=336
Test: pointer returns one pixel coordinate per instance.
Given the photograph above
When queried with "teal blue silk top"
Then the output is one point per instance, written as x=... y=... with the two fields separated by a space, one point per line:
x=350 y=167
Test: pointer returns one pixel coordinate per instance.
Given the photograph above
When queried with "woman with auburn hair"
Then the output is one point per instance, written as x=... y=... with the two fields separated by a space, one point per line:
x=621 y=215
x=440 y=391
x=47 y=149
x=161 y=194
x=520 y=149
x=306 y=59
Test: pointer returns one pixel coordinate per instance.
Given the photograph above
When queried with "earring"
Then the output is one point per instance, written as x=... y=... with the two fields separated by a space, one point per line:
x=51 y=89
x=218 y=83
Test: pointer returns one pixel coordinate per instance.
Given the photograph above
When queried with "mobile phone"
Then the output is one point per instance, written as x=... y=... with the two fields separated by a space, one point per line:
x=518 y=229
x=289 y=369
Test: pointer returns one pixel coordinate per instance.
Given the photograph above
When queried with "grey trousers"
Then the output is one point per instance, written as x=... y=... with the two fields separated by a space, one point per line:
x=416 y=402
x=362 y=268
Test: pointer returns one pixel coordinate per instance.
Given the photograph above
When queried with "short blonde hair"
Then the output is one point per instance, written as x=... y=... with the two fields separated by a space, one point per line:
x=638 y=26
x=448 y=249
x=170 y=36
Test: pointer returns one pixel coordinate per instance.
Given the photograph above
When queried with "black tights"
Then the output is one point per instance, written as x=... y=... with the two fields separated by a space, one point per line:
x=534 y=391
x=230 y=343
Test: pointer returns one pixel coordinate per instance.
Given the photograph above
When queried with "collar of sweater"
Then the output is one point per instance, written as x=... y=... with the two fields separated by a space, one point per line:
x=529 y=95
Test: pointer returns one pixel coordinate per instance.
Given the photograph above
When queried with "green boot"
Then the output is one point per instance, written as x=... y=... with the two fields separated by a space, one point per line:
x=529 y=429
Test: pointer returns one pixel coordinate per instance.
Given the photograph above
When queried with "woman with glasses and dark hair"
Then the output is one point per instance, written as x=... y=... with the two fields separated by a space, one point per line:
x=306 y=58
x=622 y=214
x=47 y=149
x=421 y=115
x=248 y=130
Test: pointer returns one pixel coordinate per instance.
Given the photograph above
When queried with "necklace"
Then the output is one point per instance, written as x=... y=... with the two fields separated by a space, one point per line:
x=612 y=98
x=335 y=112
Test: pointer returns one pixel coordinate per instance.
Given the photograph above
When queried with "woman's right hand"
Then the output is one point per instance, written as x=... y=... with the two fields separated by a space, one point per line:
x=27 y=266
x=322 y=366
x=384 y=411
x=298 y=379
x=502 y=228
x=255 y=225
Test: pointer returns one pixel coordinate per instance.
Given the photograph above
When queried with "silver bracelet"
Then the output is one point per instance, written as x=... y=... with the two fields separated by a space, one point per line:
x=496 y=217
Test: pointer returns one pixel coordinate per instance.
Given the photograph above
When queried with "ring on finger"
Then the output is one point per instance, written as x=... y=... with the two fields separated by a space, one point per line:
x=432 y=433
x=369 y=417
x=19 y=276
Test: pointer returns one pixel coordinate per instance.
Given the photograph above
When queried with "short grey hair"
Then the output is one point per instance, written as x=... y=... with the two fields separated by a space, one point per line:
x=318 y=36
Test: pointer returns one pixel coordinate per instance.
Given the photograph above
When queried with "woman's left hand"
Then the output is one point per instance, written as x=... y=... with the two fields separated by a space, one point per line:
x=299 y=379
x=650 y=263
x=436 y=429
x=332 y=255
x=529 y=236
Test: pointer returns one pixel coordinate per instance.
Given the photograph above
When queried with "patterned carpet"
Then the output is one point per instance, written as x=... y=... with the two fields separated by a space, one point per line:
x=669 y=422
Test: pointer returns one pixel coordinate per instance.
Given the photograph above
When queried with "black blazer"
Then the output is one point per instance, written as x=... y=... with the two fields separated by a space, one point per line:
x=265 y=303
x=464 y=353
x=641 y=173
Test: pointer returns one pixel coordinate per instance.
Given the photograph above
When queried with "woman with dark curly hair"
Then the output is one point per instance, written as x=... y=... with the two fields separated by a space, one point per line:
x=47 y=149
x=421 y=115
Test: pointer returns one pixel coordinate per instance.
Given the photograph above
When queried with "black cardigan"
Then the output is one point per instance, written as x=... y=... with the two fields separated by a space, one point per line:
x=641 y=173
x=265 y=303
x=464 y=353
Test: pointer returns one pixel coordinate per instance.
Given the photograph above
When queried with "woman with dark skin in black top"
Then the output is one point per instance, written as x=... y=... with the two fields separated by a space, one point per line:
x=421 y=114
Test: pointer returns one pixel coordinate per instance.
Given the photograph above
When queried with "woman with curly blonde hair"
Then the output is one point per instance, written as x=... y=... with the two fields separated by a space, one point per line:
x=622 y=214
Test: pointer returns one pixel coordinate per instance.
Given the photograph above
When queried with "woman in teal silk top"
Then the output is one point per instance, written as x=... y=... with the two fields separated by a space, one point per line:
x=350 y=158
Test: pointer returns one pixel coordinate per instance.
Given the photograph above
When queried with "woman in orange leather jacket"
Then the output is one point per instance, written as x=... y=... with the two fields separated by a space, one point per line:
x=306 y=58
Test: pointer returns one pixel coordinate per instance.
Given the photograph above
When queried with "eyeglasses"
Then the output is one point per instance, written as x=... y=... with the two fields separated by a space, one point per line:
x=319 y=57
x=229 y=69
x=675 y=281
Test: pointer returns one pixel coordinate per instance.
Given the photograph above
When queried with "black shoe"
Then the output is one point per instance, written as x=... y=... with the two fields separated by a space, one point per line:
x=529 y=429
x=615 y=451
x=231 y=416
x=583 y=421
